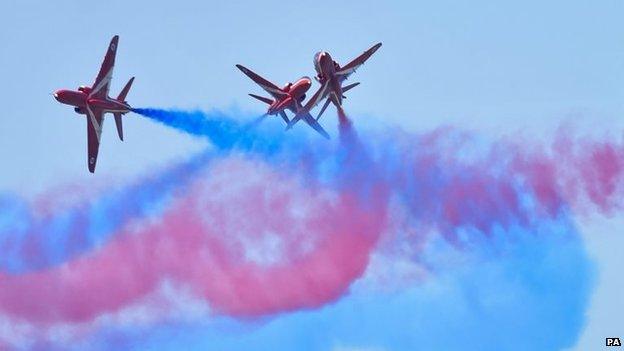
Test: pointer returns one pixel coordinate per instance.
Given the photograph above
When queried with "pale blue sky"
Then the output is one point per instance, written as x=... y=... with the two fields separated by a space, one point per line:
x=480 y=65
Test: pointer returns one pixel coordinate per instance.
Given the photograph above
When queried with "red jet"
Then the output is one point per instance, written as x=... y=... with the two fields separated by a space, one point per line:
x=331 y=76
x=288 y=98
x=94 y=102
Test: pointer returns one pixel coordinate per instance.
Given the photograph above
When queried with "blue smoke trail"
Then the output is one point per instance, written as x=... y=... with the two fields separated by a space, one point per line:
x=538 y=256
x=320 y=162
x=222 y=130
x=422 y=174
x=30 y=243
x=532 y=295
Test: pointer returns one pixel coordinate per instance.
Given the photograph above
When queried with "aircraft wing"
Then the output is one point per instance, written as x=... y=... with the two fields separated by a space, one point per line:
x=269 y=87
x=357 y=62
x=307 y=117
x=317 y=97
x=101 y=86
x=344 y=90
x=94 y=132
x=320 y=94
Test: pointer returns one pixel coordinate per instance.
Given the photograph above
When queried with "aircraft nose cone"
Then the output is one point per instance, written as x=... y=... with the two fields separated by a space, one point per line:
x=305 y=86
x=56 y=95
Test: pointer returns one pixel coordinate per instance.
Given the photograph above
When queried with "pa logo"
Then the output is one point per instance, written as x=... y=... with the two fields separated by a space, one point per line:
x=613 y=342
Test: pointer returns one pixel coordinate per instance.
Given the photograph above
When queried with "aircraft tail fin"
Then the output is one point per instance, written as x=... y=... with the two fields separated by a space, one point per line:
x=122 y=98
x=349 y=87
x=262 y=98
x=335 y=99
x=119 y=125
x=344 y=90
x=124 y=91
x=323 y=109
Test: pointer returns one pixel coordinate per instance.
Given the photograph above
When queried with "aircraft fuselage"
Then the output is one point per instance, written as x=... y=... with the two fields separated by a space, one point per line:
x=296 y=93
x=80 y=100
x=326 y=69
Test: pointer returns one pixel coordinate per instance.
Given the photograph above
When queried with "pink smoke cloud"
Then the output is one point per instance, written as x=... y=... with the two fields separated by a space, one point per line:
x=584 y=174
x=252 y=240
x=457 y=185
x=248 y=239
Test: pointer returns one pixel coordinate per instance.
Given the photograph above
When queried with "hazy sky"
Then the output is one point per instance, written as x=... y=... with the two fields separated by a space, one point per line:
x=479 y=65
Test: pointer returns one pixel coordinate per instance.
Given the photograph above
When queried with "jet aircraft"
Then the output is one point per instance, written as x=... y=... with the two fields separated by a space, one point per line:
x=288 y=98
x=331 y=76
x=94 y=102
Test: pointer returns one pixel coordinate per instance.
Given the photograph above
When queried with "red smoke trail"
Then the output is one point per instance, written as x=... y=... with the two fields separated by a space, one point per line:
x=597 y=168
x=582 y=173
x=248 y=240
x=343 y=120
x=456 y=186
x=254 y=241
